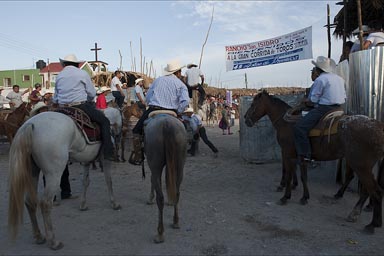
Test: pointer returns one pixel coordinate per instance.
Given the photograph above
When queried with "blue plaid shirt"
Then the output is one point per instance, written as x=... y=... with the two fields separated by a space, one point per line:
x=168 y=92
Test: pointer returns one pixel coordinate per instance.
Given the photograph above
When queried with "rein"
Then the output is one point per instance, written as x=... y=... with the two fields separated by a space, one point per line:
x=277 y=119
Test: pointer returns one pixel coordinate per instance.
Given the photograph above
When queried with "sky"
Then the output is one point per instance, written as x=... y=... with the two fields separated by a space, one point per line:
x=168 y=30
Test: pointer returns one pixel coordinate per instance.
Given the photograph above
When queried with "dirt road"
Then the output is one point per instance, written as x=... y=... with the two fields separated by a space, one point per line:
x=227 y=207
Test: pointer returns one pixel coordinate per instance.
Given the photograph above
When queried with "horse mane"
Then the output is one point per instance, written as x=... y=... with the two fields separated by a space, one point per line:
x=278 y=102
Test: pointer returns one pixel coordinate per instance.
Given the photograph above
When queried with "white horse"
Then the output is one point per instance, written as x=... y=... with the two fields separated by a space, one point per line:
x=116 y=121
x=47 y=142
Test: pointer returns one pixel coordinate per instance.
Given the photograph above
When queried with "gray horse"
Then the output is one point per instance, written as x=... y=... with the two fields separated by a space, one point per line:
x=165 y=145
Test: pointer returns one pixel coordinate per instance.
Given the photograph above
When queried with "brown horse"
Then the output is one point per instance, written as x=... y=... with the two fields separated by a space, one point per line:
x=10 y=123
x=360 y=140
x=128 y=112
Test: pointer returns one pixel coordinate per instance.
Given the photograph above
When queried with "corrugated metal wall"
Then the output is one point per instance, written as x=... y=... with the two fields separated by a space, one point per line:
x=365 y=91
x=258 y=144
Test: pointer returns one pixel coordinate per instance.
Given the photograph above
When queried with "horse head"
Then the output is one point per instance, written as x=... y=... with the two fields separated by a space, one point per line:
x=257 y=109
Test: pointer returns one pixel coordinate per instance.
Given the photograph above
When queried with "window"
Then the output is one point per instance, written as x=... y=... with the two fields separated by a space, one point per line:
x=7 y=82
x=26 y=78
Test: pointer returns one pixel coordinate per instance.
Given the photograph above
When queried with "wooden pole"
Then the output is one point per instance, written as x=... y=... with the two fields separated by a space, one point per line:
x=206 y=38
x=130 y=46
x=141 y=57
x=345 y=27
x=150 y=68
x=121 y=60
x=142 y=68
x=360 y=21
x=329 y=30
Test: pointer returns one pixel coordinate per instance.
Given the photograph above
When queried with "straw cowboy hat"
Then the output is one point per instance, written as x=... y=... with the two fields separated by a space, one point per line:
x=138 y=80
x=188 y=110
x=172 y=67
x=192 y=64
x=70 y=58
x=326 y=64
x=103 y=89
x=48 y=91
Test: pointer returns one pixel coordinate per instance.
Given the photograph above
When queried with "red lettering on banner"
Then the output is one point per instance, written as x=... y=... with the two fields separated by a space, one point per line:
x=235 y=48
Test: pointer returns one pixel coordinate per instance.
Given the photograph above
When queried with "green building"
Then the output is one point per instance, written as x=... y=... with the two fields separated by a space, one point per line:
x=23 y=77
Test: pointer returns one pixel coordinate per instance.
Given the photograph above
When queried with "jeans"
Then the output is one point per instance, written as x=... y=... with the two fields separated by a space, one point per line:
x=304 y=125
x=99 y=117
x=201 y=91
x=203 y=136
x=119 y=98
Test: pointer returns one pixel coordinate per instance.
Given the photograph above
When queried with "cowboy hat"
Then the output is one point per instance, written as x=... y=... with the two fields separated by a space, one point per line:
x=103 y=89
x=364 y=28
x=69 y=58
x=326 y=64
x=48 y=91
x=192 y=64
x=138 y=80
x=172 y=67
x=188 y=110
x=39 y=105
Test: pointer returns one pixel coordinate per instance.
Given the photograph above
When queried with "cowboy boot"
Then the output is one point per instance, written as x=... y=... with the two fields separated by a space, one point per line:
x=136 y=157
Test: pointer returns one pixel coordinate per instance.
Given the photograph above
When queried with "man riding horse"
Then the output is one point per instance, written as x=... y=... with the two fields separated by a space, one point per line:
x=167 y=92
x=327 y=94
x=74 y=88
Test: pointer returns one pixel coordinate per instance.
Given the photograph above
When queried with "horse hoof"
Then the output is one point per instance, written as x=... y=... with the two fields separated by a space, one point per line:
x=352 y=218
x=279 y=189
x=368 y=208
x=56 y=245
x=116 y=206
x=283 y=201
x=175 y=226
x=369 y=229
x=83 y=207
x=150 y=202
x=40 y=239
x=158 y=239
x=337 y=196
x=303 y=201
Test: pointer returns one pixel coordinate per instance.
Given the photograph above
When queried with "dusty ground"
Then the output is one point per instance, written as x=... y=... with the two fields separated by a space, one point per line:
x=228 y=207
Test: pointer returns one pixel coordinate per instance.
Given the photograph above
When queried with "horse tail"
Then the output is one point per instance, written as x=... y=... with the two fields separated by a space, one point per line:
x=172 y=165
x=20 y=177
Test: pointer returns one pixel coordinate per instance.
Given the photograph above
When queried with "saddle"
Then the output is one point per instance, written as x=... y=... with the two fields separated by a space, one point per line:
x=4 y=113
x=328 y=124
x=163 y=111
x=90 y=130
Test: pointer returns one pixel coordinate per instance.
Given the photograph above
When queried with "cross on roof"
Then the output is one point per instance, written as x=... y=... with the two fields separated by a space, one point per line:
x=96 y=49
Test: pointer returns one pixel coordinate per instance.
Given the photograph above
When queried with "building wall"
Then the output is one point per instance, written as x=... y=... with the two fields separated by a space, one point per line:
x=24 y=77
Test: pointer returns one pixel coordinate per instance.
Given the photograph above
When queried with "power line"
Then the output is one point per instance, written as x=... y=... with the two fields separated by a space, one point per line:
x=22 y=46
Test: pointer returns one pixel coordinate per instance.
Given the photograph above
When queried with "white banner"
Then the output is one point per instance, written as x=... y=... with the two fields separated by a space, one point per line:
x=290 y=47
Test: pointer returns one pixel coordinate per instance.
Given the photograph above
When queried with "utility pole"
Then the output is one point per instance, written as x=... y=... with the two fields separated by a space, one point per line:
x=47 y=86
x=246 y=81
